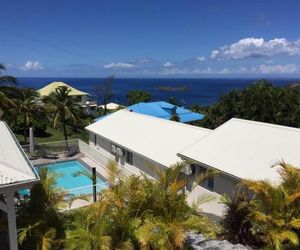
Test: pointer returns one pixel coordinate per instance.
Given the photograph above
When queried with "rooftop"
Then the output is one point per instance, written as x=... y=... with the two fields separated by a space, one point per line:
x=165 y=110
x=51 y=87
x=111 y=106
x=15 y=168
x=156 y=139
x=247 y=149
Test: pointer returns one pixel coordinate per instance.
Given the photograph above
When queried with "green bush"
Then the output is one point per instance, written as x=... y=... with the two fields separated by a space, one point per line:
x=39 y=126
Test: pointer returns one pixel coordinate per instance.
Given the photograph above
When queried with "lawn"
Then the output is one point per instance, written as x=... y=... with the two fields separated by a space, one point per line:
x=55 y=135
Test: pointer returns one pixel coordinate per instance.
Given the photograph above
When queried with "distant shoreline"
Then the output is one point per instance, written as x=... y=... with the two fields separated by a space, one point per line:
x=199 y=91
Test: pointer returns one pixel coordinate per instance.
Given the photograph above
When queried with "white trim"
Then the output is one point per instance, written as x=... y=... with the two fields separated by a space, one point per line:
x=12 y=225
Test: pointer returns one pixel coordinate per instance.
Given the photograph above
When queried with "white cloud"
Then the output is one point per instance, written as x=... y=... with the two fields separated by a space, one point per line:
x=200 y=58
x=145 y=60
x=168 y=64
x=242 y=70
x=224 y=71
x=203 y=71
x=118 y=65
x=32 y=65
x=257 y=47
x=187 y=71
x=270 y=61
x=214 y=54
x=262 y=69
x=277 y=69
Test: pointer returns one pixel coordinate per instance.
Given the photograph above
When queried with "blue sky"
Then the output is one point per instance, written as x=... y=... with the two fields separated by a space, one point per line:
x=136 y=38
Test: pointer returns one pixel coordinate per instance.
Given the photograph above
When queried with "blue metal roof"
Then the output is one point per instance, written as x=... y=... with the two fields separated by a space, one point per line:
x=165 y=110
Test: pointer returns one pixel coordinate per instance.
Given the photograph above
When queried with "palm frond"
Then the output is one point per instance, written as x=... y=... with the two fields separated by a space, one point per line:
x=210 y=173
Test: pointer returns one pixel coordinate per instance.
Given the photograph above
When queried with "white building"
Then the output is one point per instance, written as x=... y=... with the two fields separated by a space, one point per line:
x=239 y=149
x=139 y=141
x=242 y=149
x=111 y=106
x=16 y=173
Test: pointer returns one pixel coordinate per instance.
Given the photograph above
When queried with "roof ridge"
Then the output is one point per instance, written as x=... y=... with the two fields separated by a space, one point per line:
x=163 y=120
x=265 y=124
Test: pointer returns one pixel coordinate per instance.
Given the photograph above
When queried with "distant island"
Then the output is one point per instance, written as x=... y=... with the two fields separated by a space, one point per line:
x=171 y=88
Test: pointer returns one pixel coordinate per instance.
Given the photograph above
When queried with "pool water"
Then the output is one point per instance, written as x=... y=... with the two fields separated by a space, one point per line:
x=76 y=185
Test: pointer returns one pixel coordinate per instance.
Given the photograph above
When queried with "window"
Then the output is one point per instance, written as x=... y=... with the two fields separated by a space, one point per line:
x=95 y=140
x=129 y=157
x=193 y=168
x=210 y=182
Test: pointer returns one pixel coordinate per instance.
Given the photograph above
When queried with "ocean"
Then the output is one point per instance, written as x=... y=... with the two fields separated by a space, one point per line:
x=186 y=91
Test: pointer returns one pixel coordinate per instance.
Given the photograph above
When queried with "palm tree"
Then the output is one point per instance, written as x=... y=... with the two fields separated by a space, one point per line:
x=39 y=221
x=5 y=81
x=277 y=208
x=237 y=224
x=65 y=107
x=138 y=213
x=25 y=106
x=87 y=233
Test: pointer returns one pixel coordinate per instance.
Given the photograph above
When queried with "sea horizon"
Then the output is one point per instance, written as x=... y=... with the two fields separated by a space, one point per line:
x=202 y=91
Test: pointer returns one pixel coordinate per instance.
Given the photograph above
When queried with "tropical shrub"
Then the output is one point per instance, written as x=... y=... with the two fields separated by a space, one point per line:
x=237 y=225
x=38 y=124
x=138 y=213
x=273 y=213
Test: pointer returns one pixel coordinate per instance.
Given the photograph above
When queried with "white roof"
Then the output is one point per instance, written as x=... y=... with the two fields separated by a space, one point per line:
x=14 y=165
x=157 y=139
x=247 y=149
x=111 y=105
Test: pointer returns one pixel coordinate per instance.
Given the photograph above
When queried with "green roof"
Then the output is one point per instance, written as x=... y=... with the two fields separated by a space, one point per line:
x=50 y=88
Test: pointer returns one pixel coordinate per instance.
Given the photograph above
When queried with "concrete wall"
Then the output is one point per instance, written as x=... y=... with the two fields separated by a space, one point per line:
x=104 y=146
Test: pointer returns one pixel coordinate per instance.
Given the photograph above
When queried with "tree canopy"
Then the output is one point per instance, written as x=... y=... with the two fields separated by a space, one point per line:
x=259 y=102
x=136 y=96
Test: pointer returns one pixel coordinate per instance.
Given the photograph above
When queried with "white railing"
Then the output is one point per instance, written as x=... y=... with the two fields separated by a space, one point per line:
x=86 y=190
x=103 y=160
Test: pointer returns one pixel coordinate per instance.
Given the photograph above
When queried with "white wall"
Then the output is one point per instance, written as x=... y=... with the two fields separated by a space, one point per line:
x=104 y=146
x=223 y=184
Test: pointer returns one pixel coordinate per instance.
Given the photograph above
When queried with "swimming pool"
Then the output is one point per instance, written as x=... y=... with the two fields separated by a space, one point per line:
x=75 y=185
